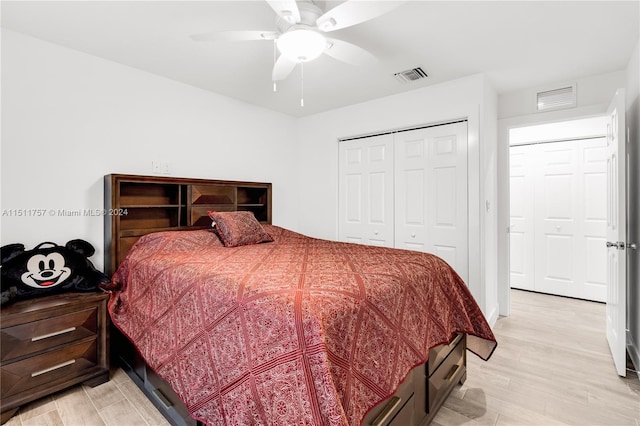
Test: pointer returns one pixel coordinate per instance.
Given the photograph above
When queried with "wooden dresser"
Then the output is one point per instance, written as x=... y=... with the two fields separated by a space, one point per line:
x=51 y=343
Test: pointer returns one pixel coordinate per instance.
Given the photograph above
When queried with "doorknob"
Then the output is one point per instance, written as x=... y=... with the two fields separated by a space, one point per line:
x=619 y=245
x=632 y=246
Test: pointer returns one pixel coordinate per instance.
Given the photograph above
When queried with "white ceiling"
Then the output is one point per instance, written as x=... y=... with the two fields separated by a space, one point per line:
x=516 y=44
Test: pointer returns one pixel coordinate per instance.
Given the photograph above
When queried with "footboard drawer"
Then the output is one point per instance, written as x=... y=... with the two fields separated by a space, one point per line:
x=450 y=371
x=166 y=399
x=440 y=353
x=397 y=410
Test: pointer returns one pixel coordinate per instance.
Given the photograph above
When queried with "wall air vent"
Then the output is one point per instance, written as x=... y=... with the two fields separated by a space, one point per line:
x=559 y=98
x=410 y=75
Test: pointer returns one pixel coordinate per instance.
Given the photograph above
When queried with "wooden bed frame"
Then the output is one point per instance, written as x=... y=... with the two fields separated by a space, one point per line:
x=139 y=205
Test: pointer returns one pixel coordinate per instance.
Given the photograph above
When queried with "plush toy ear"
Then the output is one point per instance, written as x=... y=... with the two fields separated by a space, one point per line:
x=10 y=251
x=81 y=246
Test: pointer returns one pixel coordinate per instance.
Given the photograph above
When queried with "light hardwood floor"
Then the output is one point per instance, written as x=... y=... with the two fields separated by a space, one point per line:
x=552 y=367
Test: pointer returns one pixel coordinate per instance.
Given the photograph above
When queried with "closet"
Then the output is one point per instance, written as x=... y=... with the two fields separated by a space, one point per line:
x=558 y=218
x=407 y=189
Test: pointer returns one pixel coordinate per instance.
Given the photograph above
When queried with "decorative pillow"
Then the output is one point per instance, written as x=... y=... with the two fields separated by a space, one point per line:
x=48 y=269
x=238 y=228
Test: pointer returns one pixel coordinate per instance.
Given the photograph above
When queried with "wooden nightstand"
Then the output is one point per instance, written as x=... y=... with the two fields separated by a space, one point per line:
x=51 y=343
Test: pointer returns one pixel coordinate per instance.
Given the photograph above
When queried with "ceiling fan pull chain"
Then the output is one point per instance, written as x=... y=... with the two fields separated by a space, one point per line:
x=301 y=84
x=275 y=42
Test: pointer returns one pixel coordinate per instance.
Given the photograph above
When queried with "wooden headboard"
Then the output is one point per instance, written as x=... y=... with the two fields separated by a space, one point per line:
x=139 y=205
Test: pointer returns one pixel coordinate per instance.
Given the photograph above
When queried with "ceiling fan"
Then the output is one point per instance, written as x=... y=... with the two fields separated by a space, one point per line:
x=300 y=29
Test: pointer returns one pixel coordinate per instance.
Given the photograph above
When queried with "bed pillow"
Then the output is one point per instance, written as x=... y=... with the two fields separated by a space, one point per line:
x=238 y=228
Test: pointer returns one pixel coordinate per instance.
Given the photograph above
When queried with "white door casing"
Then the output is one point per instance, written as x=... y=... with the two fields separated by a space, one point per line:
x=616 y=232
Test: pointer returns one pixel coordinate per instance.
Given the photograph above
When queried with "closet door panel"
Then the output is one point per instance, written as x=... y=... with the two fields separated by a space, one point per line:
x=431 y=193
x=593 y=217
x=522 y=217
x=447 y=213
x=366 y=191
x=556 y=222
x=411 y=190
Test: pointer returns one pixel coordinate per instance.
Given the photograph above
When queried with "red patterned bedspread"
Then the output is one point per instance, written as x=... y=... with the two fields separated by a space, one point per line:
x=297 y=331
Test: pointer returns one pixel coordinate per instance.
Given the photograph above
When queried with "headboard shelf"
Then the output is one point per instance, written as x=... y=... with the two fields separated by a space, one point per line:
x=138 y=205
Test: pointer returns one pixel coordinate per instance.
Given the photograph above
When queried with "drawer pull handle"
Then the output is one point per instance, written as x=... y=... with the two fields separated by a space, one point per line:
x=55 y=333
x=162 y=398
x=55 y=367
x=386 y=411
x=451 y=372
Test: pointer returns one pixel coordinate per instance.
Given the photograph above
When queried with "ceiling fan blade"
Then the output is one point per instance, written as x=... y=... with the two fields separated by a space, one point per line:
x=235 y=36
x=282 y=68
x=353 y=12
x=286 y=9
x=349 y=53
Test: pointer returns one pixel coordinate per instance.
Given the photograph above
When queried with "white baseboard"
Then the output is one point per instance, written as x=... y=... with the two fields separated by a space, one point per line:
x=492 y=317
x=634 y=353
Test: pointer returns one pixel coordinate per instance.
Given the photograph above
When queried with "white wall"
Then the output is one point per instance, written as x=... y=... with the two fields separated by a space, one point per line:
x=469 y=97
x=633 y=212
x=69 y=118
x=489 y=197
x=516 y=109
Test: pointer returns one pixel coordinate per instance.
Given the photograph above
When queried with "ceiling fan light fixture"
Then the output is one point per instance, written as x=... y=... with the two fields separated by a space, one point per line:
x=302 y=45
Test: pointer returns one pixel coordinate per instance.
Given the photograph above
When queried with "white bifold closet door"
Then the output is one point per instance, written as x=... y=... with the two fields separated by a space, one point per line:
x=431 y=193
x=558 y=218
x=366 y=191
x=407 y=190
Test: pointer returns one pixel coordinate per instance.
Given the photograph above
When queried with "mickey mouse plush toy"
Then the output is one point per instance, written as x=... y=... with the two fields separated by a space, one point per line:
x=48 y=269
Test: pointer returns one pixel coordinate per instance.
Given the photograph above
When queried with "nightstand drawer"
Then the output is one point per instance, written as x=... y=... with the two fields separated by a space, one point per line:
x=38 y=336
x=48 y=368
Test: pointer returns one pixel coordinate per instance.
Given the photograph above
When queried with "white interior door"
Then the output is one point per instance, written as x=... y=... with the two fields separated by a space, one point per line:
x=431 y=193
x=616 y=232
x=366 y=191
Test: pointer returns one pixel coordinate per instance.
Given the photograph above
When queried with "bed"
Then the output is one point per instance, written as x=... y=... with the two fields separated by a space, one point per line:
x=296 y=330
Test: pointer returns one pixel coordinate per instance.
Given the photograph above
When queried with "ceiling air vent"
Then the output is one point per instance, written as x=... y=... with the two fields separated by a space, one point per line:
x=410 y=75
x=560 y=98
